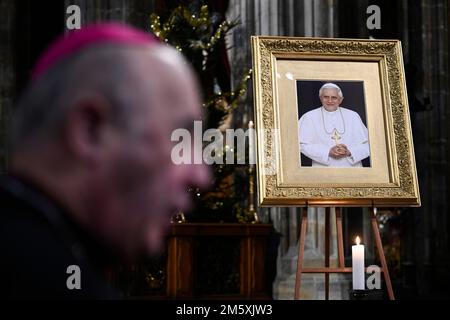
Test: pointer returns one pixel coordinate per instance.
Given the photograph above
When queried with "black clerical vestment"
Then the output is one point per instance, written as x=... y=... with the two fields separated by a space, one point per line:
x=38 y=245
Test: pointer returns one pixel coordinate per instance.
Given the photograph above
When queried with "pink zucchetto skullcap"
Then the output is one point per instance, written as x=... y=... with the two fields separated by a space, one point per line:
x=77 y=40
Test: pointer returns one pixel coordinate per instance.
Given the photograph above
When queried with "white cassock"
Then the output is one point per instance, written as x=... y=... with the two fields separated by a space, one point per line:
x=316 y=128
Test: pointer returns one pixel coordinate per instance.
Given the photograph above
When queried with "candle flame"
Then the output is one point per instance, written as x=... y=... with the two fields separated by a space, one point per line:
x=358 y=240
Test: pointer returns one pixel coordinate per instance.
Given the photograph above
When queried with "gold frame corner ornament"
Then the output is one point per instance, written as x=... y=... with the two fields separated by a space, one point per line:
x=402 y=188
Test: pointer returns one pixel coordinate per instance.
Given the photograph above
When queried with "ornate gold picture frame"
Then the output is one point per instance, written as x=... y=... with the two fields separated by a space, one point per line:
x=286 y=75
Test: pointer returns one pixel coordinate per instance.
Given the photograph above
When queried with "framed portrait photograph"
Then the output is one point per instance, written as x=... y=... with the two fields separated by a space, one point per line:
x=332 y=122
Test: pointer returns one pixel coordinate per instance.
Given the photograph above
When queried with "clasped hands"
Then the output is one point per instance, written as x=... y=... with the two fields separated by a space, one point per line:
x=339 y=151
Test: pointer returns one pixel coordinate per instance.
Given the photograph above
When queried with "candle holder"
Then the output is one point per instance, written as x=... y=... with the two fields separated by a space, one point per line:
x=374 y=294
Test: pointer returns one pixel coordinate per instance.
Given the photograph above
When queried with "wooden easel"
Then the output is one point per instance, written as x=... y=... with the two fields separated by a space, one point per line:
x=340 y=248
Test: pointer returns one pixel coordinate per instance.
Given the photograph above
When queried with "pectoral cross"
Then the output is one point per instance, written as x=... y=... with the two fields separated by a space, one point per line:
x=336 y=136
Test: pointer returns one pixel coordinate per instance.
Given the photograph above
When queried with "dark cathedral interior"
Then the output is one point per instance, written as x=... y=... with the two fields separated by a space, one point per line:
x=227 y=246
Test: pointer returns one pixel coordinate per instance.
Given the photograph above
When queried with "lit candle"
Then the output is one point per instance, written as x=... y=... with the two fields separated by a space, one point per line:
x=358 y=266
x=251 y=143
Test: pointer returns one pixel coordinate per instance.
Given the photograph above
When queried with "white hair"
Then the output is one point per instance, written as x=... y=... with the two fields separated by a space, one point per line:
x=330 y=85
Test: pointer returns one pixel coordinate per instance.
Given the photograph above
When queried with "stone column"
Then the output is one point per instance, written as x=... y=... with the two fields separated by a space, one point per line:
x=430 y=224
x=7 y=75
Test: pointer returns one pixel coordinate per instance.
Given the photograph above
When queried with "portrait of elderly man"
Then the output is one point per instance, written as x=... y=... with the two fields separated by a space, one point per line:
x=333 y=136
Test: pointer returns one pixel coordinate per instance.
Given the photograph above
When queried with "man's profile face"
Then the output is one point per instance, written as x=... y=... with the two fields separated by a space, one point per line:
x=143 y=188
x=330 y=99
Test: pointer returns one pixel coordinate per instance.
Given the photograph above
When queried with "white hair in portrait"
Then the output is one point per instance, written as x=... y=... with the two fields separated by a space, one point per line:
x=330 y=85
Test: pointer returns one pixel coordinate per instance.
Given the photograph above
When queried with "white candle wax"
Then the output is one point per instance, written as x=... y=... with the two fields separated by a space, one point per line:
x=358 y=265
x=251 y=143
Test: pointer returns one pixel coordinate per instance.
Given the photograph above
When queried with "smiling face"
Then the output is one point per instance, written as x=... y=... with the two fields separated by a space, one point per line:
x=330 y=99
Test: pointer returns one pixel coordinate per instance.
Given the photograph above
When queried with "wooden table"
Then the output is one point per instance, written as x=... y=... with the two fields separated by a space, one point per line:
x=183 y=269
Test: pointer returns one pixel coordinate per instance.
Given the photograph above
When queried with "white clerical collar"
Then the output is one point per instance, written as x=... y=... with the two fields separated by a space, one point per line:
x=330 y=112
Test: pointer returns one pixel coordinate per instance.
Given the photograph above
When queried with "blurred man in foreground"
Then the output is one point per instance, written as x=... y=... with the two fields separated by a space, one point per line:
x=91 y=176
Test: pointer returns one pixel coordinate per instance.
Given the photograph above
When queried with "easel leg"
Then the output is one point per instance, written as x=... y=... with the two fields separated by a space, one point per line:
x=327 y=251
x=340 y=242
x=380 y=250
x=301 y=251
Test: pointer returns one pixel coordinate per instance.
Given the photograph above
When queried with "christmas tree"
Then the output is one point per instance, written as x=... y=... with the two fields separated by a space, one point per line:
x=200 y=34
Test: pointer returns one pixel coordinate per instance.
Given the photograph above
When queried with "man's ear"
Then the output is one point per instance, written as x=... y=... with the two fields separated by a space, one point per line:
x=86 y=123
